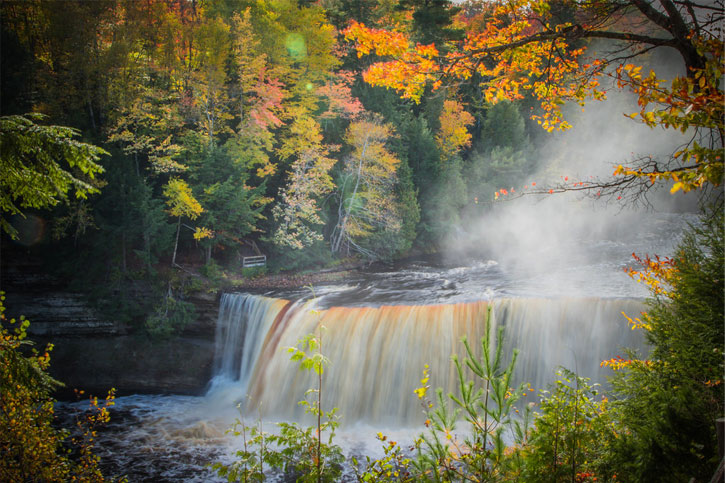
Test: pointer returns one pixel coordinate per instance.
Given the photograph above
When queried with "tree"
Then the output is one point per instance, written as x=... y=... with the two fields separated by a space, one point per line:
x=41 y=164
x=151 y=224
x=339 y=99
x=309 y=178
x=570 y=434
x=67 y=53
x=181 y=203
x=448 y=199
x=525 y=46
x=301 y=52
x=453 y=135
x=433 y=21
x=501 y=158
x=249 y=62
x=449 y=196
x=504 y=127
x=149 y=128
x=366 y=189
x=232 y=207
x=666 y=405
x=409 y=208
x=421 y=150
x=210 y=78
x=485 y=399
x=307 y=454
x=31 y=445
x=261 y=97
x=130 y=220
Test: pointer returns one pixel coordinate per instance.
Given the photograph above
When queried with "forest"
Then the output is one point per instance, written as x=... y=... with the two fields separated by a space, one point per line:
x=230 y=129
x=153 y=141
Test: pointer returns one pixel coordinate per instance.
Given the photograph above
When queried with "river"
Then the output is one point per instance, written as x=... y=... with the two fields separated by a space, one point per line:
x=559 y=302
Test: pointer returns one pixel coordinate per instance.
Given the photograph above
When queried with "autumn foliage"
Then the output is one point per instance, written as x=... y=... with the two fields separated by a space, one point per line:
x=453 y=135
x=31 y=445
x=367 y=183
x=524 y=47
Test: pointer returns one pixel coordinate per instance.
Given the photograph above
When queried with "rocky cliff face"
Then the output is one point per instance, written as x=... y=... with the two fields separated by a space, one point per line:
x=94 y=352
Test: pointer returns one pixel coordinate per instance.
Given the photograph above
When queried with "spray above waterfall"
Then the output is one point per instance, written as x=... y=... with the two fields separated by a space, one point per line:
x=541 y=233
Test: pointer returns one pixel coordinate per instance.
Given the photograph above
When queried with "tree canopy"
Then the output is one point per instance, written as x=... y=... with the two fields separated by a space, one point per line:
x=546 y=50
x=41 y=164
x=257 y=108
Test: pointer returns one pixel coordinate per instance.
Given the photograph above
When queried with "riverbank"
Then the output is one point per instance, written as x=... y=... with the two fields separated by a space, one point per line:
x=290 y=280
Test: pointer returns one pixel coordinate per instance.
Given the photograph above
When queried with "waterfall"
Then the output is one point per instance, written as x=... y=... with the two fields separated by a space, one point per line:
x=377 y=354
x=576 y=333
x=243 y=322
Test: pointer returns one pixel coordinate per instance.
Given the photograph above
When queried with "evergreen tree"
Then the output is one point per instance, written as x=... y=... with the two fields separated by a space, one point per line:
x=41 y=164
x=501 y=157
x=504 y=127
x=668 y=404
x=423 y=158
x=409 y=209
x=433 y=21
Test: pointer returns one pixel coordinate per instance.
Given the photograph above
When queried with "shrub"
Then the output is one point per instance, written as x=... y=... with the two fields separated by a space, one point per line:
x=253 y=272
x=31 y=447
x=170 y=317
x=570 y=433
x=299 y=452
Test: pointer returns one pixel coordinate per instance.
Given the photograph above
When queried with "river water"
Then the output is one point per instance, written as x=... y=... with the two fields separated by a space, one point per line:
x=559 y=300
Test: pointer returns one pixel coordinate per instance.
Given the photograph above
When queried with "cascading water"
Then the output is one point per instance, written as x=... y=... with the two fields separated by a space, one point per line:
x=382 y=327
x=243 y=323
x=377 y=354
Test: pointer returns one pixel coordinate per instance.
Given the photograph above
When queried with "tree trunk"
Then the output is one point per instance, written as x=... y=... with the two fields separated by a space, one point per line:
x=92 y=117
x=176 y=244
x=123 y=252
x=343 y=224
x=147 y=248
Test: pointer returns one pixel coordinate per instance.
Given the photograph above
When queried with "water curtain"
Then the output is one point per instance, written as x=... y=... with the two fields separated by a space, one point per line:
x=377 y=354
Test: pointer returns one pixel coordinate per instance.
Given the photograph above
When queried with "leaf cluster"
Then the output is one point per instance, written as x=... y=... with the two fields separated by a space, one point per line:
x=33 y=448
x=41 y=164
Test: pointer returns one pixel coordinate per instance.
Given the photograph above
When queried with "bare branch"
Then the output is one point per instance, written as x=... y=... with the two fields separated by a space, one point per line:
x=718 y=7
x=654 y=15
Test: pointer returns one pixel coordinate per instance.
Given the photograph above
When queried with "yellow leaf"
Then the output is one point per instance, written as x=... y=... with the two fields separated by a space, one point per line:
x=202 y=232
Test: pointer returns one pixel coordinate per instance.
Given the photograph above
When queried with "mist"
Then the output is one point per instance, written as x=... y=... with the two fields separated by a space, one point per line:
x=535 y=235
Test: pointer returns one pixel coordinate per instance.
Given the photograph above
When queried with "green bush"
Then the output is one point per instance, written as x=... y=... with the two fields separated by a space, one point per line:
x=302 y=453
x=212 y=270
x=170 y=317
x=253 y=272
x=570 y=435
